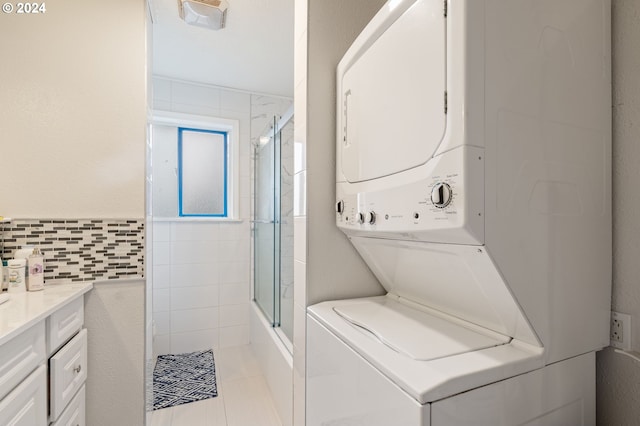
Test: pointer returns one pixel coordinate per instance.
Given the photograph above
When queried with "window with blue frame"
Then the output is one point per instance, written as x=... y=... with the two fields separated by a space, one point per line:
x=203 y=172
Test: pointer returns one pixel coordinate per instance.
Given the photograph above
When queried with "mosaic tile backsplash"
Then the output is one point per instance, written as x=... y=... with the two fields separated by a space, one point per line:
x=80 y=249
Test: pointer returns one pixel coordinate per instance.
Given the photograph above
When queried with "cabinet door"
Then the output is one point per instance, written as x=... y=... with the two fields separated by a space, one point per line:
x=26 y=405
x=20 y=356
x=74 y=414
x=68 y=372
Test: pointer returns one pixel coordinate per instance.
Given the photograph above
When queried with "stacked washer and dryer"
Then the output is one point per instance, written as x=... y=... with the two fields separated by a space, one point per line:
x=474 y=178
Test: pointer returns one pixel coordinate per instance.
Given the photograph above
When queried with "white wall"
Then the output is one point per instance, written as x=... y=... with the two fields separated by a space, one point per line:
x=300 y=219
x=334 y=269
x=72 y=118
x=275 y=363
x=114 y=319
x=148 y=236
x=326 y=266
x=73 y=111
x=201 y=269
x=618 y=385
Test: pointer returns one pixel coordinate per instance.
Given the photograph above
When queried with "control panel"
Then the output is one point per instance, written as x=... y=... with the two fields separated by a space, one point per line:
x=446 y=206
x=438 y=198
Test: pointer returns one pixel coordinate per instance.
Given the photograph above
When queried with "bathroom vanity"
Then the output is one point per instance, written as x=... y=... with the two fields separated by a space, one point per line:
x=43 y=356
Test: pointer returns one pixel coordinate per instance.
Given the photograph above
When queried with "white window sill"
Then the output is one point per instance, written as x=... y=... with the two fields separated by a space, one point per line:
x=197 y=219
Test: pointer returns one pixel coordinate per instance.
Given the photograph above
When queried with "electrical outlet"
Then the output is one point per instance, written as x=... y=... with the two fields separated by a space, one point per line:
x=621 y=331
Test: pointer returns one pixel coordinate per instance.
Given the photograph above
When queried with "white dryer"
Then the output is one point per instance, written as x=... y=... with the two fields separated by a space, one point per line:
x=473 y=177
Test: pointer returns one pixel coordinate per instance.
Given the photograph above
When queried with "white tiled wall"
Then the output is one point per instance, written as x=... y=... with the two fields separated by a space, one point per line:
x=201 y=269
x=201 y=285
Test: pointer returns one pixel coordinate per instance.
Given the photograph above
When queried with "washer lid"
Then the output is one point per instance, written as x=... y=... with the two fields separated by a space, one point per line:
x=416 y=333
x=430 y=380
x=391 y=92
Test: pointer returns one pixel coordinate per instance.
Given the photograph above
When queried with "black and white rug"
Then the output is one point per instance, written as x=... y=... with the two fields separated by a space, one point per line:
x=183 y=378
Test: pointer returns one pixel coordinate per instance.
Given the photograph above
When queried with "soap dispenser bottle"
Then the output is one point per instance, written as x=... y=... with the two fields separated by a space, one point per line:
x=35 y=267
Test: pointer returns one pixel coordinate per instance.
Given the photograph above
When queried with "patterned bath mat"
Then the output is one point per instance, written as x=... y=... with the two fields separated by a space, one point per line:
x=183 y=378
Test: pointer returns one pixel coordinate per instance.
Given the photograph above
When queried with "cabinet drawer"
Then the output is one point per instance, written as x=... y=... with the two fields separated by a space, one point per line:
x=67 y=373
x=26 y=405
x=64 y=323
x=74 y=414
x=20 y=356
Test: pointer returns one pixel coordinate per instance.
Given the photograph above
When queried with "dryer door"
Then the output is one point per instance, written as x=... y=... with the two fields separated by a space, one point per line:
x=391 y=87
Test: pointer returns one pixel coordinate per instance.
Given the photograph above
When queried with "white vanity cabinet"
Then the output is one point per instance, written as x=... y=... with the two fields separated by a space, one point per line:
x=43 y=357
x=67 y=342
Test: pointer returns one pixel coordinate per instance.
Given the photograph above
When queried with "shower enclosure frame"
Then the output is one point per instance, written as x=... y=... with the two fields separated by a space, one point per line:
x=268 y=223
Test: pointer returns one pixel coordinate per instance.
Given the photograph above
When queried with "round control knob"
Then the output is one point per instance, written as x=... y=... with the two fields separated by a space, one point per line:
x=360 y=217
x=441 y=195
x=370 y=218
x=340 y=207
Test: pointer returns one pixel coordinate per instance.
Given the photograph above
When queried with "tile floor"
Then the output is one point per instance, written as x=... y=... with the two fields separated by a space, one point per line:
x=243 y=396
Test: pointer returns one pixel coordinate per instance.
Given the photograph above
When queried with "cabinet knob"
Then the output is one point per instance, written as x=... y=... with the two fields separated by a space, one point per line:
x=78 y=368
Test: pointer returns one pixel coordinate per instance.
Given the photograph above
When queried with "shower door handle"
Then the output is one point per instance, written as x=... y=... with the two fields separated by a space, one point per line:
x=262 y=221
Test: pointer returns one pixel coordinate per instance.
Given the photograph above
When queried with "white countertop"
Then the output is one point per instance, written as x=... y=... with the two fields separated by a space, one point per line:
x=23 y=310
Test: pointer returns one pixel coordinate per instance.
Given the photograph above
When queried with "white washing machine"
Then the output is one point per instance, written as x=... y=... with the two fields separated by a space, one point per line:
x=474 y=178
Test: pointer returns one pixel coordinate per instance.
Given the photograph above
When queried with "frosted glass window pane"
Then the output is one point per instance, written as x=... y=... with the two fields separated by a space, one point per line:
x=203 y=173
x=164 y=170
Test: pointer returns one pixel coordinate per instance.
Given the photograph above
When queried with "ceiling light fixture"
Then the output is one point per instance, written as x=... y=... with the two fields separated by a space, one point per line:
x=210 y=14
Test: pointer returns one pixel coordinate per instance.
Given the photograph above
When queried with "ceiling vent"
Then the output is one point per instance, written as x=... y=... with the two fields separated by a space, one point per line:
x=210 y=14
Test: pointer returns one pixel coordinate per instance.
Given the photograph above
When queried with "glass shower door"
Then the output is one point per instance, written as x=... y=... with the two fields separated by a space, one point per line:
x=273 y=228
x=266 y=235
